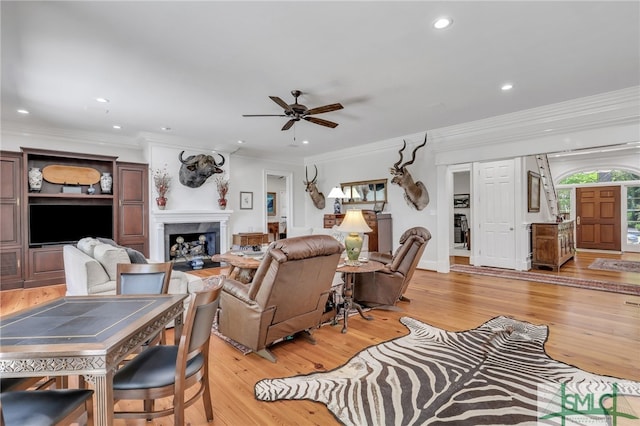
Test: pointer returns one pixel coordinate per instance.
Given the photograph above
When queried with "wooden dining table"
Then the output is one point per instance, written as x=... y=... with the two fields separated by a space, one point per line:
x=84 y=335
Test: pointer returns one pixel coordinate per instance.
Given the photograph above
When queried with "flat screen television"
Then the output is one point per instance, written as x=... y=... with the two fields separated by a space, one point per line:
x=64 y=224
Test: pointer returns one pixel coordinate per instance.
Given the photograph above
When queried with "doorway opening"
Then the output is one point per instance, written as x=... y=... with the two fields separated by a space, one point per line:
x=278 y=202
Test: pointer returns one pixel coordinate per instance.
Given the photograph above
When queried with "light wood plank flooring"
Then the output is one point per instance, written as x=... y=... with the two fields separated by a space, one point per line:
x=594 y=330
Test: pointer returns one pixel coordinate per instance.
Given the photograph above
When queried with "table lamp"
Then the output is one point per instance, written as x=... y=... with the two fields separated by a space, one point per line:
x=336 y=192
x=354 y=224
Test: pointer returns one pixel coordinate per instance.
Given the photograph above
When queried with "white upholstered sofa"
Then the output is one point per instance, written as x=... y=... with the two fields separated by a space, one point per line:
x=90 y=268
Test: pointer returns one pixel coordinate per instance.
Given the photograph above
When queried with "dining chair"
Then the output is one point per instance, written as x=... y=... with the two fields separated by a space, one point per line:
x=46 y=407
x=144 y=278
x=8 y=384
x=168 y=370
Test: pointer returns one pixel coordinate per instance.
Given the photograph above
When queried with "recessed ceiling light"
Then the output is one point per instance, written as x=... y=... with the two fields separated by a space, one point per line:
x=305 y=142
x=240 y=141
x=166 y=128
x=507 y=86
x=102 y=100
x=117 y=126
x=442 y=23
x=23 y=111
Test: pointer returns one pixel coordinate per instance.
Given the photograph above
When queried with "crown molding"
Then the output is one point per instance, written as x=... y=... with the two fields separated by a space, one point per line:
x=610 y=109
x=74 y=136
x=617 y=108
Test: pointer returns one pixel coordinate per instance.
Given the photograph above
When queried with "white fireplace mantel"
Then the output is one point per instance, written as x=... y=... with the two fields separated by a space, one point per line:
x=161 y=217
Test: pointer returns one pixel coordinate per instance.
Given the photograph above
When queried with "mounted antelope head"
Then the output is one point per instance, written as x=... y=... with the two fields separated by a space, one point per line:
x=316 y=196
x=415 y=193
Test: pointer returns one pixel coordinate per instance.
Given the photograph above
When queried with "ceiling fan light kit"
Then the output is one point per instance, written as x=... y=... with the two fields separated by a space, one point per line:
x=297 y=112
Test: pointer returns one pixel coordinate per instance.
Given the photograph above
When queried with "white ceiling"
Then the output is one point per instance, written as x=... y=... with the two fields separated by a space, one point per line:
x=197 y=67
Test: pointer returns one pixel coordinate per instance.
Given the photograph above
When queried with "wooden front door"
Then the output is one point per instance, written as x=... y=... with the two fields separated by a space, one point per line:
x=598 y=218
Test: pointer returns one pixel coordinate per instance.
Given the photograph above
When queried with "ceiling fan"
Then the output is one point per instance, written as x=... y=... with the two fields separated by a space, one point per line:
x=298 y=111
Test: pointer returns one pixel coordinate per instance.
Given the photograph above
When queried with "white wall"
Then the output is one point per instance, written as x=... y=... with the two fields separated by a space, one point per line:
x=372 y=163
x=248 y=175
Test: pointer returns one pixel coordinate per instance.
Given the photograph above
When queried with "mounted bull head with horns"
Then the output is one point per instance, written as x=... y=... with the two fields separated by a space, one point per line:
x=415 y=193
x=316 y=196
x=196 y=169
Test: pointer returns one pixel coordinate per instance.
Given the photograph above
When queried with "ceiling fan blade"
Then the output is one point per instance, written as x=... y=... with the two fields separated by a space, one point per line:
x=322 y=122
x=264 y=115
x=326 y=108
x=288 y=124
x=282 y=103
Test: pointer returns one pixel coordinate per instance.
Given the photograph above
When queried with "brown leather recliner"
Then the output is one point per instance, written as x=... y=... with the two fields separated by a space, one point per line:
x=387 y=286
x=287 y=295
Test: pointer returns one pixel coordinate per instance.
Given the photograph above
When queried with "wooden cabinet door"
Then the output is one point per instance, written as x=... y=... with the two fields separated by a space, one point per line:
x=11 y=252
x=132 y=222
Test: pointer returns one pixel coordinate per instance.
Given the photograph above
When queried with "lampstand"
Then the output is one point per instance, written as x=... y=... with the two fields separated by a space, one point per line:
x=338 y=194
x=354 y=224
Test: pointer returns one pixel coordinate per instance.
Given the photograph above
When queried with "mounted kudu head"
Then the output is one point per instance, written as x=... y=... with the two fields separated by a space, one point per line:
x=415 y=193
x=316 y=196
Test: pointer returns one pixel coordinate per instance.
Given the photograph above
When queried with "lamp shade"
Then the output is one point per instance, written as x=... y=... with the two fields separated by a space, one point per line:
x=354 y=222
x=336 y=192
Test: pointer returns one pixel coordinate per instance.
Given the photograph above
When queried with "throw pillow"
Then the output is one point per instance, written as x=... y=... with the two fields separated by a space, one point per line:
x=109 y=257
x=87 y=245
x=134 y=255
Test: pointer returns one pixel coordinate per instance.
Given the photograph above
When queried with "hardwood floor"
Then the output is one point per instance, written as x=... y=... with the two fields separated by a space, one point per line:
x=594 y=330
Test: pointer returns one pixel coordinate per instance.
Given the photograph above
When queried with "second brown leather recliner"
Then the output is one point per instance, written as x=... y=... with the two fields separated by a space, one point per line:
x=387 y=286
x=287 y=295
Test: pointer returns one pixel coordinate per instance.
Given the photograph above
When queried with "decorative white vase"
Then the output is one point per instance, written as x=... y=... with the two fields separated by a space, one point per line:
x=106 y=182
x=35 y=179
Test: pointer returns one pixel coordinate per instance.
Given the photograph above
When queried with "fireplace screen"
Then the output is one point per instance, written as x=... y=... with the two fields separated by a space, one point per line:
x=186 y=241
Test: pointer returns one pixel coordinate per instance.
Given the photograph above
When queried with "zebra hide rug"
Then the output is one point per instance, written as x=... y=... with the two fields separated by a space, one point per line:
x=488 y=375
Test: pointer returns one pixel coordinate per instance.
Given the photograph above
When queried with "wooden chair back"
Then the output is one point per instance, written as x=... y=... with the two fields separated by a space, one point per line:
x=143 y=278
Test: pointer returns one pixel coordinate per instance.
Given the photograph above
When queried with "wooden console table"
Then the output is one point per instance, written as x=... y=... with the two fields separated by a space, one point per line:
x=250 y=239
x=553 y=244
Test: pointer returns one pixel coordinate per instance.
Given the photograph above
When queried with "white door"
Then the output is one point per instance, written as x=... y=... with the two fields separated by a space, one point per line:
x=497 y=242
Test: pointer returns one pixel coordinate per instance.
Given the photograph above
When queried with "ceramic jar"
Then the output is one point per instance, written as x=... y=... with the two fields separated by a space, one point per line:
x=106 y=182
x=162 y=202
x=35 y=179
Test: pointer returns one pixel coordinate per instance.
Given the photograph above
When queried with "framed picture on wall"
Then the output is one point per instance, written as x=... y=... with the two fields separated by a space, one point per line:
x=246 y=200
x=533 y=189
x=461 y=201
x=271 y=203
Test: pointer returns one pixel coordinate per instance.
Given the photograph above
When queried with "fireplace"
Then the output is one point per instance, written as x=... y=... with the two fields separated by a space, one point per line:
x=190 y=225
x=185 y=240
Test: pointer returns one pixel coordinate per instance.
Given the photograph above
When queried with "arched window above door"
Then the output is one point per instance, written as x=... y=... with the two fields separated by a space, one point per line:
x=596 y=176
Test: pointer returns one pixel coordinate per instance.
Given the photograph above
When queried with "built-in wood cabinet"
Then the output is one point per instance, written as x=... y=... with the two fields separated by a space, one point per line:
x=38 y=221
x=133 y=202
x=44 y=261
x=553 y=244
x=11 y=258
x=380 y=237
